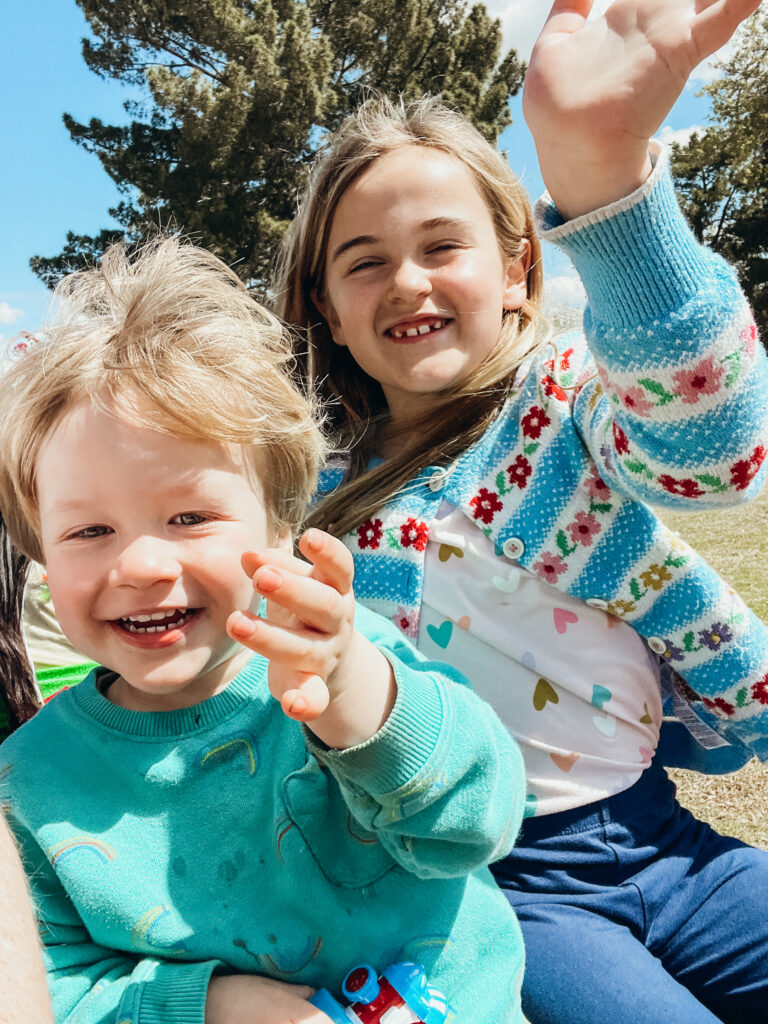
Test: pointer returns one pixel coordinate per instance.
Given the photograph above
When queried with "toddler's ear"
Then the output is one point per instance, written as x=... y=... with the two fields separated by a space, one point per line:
x=516 y=279
x=328 y=313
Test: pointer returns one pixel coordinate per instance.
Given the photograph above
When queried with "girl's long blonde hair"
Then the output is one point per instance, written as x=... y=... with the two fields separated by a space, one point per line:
x=356 y=408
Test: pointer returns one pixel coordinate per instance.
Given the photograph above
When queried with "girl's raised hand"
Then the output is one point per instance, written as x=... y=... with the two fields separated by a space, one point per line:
x=596 y=92
x=321 y=669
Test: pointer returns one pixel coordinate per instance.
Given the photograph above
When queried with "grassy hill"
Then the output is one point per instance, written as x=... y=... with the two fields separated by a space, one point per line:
x=735 y=542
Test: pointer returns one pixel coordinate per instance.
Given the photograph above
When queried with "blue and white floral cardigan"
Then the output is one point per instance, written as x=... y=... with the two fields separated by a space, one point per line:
x=663 y=400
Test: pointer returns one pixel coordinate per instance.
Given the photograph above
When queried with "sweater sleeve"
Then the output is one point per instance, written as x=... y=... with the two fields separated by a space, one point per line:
x=675 y=413
x=442 y=782
x=92 y=984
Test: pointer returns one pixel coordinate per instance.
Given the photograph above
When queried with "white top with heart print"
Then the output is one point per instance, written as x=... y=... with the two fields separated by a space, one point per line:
x=576 y=687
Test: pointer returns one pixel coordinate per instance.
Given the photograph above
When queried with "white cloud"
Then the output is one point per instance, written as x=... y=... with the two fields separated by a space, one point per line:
x=9 y=315
x=565 y=290
x=522 y=20
x=668 y=134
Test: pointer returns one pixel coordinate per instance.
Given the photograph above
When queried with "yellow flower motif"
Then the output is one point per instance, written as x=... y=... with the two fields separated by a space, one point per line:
x=655 y=576
x=620 y=607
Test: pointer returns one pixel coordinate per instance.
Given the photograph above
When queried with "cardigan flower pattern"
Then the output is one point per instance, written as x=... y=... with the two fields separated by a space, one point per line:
x=661 y=401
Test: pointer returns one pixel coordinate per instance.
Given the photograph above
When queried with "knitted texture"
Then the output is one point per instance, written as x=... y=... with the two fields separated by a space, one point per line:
x=163 y=846
x=661 y=401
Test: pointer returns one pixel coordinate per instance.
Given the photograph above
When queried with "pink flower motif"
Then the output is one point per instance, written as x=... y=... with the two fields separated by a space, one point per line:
x=584 y=528
x=703 y=379
x=550 y=567
x=486 y=504
x=634 y=399
x=749 y=337
x=407 y=622
x=596 y=486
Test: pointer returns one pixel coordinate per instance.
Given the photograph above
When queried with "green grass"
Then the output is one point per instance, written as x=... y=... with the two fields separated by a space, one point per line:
x=735 y=542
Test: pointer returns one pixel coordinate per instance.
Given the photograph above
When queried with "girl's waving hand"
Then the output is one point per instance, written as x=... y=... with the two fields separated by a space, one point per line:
x=596 y=91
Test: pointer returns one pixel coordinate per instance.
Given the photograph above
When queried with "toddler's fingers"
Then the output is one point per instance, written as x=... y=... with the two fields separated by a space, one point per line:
x=300 y=650
x=305 y=702
x=316 y=605
x=332 y=561
x=252 y=561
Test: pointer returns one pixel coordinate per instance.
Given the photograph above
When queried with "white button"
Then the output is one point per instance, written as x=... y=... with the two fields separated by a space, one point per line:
x=597 y=602
x=657 y=645
x=513 y=548
x=439 y=478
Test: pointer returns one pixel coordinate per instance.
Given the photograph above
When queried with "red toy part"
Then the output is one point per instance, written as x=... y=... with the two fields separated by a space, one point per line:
x=388 y=1007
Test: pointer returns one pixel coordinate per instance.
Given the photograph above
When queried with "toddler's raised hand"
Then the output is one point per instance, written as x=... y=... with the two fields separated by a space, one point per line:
x=596 y=92
x=321 y=669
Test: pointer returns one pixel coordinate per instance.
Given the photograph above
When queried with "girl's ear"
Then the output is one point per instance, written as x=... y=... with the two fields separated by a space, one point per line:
x=516 y=279
x=328 y=313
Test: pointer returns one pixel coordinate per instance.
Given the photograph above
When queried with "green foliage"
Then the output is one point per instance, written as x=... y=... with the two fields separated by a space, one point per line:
x=239 y=93
x=721 y=174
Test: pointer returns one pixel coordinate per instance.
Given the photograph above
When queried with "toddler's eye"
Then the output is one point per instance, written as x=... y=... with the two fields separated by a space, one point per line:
x=89 y=532
x=190 y=518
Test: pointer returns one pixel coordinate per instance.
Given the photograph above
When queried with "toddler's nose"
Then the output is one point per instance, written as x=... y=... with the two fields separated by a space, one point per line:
x=143 y=562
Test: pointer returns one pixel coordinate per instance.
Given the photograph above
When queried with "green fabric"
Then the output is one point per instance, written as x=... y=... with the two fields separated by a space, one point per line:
x=163 y=846
x=51 y=680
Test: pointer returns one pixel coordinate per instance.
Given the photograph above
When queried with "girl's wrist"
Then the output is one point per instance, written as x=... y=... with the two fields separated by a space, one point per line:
x=583 y=182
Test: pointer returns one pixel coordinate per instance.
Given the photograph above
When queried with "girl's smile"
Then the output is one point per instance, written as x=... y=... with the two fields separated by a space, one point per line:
x=416 y=283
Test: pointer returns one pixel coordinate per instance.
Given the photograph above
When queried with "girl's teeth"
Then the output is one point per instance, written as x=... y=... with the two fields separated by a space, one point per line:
x=412 y=332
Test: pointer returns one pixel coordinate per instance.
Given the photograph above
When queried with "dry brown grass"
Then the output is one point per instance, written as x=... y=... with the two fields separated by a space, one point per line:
x=736 y=544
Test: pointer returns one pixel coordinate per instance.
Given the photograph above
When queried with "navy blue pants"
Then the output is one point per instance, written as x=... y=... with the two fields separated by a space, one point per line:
x=635 y=912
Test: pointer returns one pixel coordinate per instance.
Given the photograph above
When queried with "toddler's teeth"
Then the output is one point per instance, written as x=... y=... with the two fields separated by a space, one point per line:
x=412 y=332
x=425 y=329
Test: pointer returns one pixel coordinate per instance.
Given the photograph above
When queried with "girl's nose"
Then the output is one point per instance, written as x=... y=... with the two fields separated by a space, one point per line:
x=143 y=562
x=409 y=280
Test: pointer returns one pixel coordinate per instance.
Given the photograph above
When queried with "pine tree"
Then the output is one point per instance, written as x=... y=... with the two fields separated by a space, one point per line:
x=722 y=173
x=239 y=94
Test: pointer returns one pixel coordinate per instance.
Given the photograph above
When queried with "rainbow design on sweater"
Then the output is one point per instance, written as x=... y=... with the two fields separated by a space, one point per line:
x=88 y=844
x=240 y=743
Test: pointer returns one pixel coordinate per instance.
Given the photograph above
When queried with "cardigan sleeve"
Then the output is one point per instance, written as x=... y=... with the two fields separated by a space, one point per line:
x=92 y=984
x=442 y=784
x=674 y=411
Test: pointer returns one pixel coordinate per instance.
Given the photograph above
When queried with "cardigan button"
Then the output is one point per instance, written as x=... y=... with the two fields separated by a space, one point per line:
x=513 y=548
x=439 y=478
x=598 y=603
x=657 y=645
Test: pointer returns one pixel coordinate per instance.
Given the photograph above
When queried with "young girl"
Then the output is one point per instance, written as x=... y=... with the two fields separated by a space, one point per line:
x=484 y=464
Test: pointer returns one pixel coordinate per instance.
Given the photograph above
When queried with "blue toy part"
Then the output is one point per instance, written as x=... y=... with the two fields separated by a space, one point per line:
x=362 y=993
x=324 y=1001
x=409 y=980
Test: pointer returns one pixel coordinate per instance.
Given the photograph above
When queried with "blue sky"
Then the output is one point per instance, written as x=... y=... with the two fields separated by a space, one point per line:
x=50 y=185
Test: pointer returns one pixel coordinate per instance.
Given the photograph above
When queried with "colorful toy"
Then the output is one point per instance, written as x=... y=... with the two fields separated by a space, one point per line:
x=399 y=995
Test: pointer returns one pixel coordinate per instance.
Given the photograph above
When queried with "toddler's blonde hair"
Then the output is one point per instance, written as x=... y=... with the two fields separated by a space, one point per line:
x=168 y=337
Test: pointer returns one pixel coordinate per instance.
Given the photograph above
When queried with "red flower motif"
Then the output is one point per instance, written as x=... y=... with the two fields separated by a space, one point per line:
x=620 y=440
x=550 y=567
x=760 y=690
x=486 y=504
x=686 y=488
x=565 y=359
x=369 y=534
x=552 y=388
x=718 y=704
x=744 y=471
x=534 y=421
x=519 y=471
x=584 y=528
x=749 y=336
x=413 y=534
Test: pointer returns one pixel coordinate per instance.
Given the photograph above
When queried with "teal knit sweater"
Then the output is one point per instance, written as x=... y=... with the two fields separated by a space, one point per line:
x=224 y=837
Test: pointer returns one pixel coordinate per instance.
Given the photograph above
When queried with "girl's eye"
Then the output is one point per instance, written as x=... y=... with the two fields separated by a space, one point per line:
x=190 y=519
x=447 y=246
x=89 y=532
x=363 y=265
